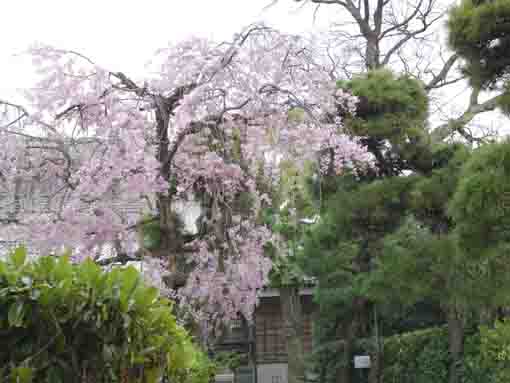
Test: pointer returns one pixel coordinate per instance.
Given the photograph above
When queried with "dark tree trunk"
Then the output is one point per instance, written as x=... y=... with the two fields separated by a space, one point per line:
x=347 y=334
x=456 y=343
x=375 y=368
x=376 y=357
x=372 y=54
x=170 y=240
x=292 y=314
x=164 y=202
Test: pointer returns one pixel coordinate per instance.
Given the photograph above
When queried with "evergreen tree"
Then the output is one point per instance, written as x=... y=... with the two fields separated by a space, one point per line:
x=361 y=209
x=389 y=238
x=422 y=259
x=479 y=33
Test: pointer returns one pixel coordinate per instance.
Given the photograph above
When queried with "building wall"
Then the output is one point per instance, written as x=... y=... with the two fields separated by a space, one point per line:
x=268 y=337
x=269 y=332
x=272 y=373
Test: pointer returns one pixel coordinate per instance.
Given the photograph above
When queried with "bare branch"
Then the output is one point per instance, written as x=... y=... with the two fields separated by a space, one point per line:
x=364 y=26
x=270 y=5
x=339 y=2
x=441 y=77
x=121 y=258
x=14 y=122
x=315 y=12
x=18 y=107
x=129 y=84
x=404 y=23
x=408 y=35
x=458 y=124
x=446 y=83
x=24 y=112
x=378 y=16
x=367 y=11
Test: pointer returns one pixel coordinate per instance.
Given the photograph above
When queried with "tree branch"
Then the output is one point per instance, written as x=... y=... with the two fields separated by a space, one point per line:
x=409 y=35
x=441 y=77
x=378 y=16
x=21 y=110
x=405 y=22
x=14 y=122
x=367 y=11
x=129 y=84
x=121 y=258
x=458 y=124
x=355 y=12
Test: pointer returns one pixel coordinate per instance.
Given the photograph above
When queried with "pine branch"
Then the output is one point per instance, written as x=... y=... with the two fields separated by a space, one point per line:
x=457 y=125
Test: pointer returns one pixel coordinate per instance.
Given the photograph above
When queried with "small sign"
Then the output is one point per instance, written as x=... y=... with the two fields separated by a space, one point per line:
x=362 y=361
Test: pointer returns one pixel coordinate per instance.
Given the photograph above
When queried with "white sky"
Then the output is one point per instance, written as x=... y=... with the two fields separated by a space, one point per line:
x=123 y=34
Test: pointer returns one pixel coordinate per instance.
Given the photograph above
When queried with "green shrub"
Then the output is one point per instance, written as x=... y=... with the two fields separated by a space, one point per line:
x=418 y=357
x=495 y=349
x=61 y=322
x=422 y=357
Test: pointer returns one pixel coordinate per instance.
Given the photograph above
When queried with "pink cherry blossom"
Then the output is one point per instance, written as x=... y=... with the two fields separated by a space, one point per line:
x=104 y=149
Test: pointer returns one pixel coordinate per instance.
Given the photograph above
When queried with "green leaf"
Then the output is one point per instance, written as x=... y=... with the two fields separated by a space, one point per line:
x=130 y=280
x=54 y=375
x=153 y=375
x=90 y=272
x=19 y=257
x=16 y=314
x=63 y=269
x=4 y=292
x=22 y=375
x=27 y=281
x=76 y=311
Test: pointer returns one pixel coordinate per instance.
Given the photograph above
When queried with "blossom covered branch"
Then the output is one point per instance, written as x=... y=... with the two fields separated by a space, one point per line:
x=199 y=127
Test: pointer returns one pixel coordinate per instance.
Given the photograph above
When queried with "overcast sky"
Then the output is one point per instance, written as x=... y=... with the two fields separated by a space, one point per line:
x=123 y=34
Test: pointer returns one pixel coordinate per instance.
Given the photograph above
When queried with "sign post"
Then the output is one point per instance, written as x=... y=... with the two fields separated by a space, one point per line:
x=362 y=362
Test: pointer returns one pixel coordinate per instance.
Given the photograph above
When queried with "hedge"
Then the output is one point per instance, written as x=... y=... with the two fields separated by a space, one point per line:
x=61 y=322
x=422 y=357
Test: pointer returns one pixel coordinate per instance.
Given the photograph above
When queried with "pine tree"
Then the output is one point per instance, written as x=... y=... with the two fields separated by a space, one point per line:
x=361 y=209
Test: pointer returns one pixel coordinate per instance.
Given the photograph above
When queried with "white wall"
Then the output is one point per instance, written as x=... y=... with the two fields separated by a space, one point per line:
x=272 y=373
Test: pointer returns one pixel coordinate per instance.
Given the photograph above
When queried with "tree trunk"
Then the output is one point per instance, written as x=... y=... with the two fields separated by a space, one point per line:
x=372 y=59
x=375 y=368
x=164 y=202
x=167 y=227
x=292 y=314
x=456 y=343
x=347 y=333
x=373 y=374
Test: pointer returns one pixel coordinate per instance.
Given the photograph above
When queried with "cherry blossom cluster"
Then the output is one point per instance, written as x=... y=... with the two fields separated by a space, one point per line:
x=228 y=285
x=106 y=148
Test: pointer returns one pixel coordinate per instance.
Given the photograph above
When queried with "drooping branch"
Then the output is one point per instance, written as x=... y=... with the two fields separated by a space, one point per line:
x=22 y=113
x=149 y=144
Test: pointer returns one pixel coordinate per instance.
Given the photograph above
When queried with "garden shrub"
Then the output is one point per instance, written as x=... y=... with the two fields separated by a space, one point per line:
x=495 y=350
x=61 y=322
x=418 y=357
x=422 y=357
